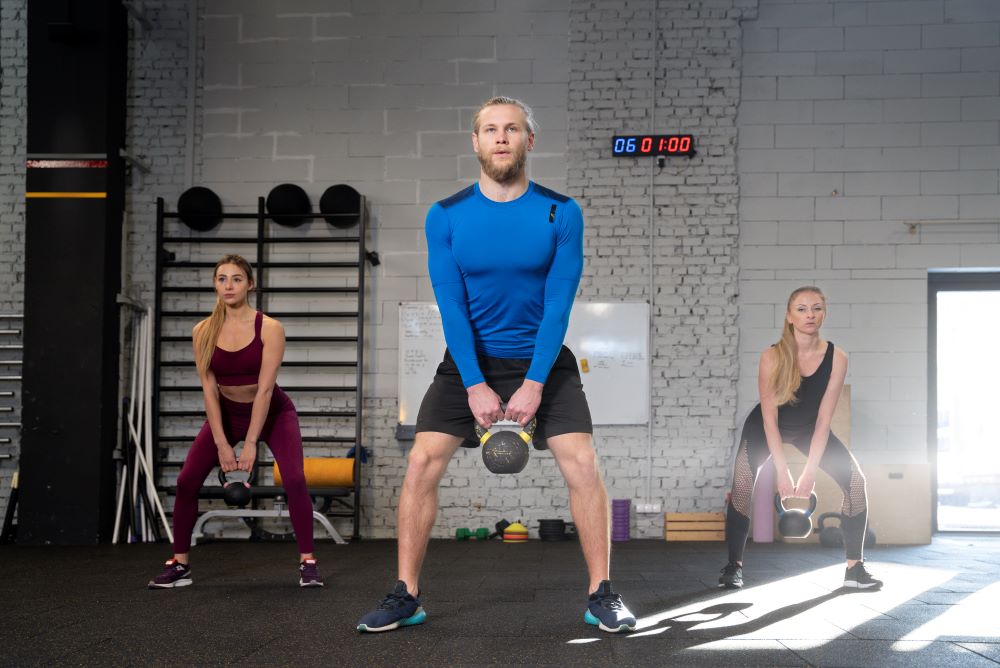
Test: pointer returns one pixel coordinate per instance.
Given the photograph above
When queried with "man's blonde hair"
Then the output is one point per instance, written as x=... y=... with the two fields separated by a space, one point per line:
x=529 y=115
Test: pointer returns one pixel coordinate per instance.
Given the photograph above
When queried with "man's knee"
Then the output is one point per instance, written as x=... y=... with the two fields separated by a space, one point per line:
x=421 y=460
x=430 y=454
x=579 y=462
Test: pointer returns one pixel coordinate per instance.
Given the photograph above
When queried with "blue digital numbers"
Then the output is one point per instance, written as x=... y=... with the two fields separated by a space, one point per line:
x=653 y=145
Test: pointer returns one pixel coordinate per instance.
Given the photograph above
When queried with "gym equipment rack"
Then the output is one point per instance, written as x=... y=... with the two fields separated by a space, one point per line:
x=168 y=420
x=11 y=364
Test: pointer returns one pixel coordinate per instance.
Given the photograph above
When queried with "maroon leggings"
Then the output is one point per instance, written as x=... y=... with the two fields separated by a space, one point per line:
x=283 y=438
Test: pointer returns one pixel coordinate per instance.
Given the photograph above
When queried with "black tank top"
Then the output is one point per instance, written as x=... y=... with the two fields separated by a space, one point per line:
x=801 y=416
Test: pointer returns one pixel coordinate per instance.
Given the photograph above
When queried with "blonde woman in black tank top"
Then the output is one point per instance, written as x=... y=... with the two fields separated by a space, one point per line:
x=799 y=381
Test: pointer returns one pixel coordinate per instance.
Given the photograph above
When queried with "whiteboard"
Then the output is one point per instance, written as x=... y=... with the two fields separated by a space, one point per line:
x=610 y=341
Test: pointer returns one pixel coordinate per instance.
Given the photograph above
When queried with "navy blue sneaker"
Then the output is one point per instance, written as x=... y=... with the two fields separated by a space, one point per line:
x=399 y=608
x=606 y=611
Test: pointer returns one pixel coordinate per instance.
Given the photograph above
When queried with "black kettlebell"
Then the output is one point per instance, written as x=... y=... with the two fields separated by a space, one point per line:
x=506 y=451
x=237 y=492
x=792 y=522
x=830 y=536
x=499 y=527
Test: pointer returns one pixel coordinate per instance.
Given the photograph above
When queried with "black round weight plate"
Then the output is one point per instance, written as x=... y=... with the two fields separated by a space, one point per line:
x=289 y=199
x=343 y=203
x=199 y=208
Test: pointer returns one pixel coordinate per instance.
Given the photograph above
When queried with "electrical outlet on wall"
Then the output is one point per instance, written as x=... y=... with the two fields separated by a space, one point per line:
x=647 y=507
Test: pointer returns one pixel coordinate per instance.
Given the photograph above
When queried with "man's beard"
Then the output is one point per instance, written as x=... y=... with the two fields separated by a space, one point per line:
x=507 y=172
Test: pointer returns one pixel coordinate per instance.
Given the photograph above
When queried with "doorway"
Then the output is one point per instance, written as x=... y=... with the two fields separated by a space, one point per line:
x=963 y=417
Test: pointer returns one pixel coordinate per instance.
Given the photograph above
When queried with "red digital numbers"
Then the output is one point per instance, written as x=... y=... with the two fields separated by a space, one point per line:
x=635 y=145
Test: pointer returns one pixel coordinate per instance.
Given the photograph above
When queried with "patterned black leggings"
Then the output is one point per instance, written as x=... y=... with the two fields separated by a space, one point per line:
x=837 y=461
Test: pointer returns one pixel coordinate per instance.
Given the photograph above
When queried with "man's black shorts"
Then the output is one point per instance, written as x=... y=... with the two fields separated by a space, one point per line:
x=563 y=410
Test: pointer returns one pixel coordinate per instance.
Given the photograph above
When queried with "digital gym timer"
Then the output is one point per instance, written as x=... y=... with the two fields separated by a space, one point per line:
x=624 y=146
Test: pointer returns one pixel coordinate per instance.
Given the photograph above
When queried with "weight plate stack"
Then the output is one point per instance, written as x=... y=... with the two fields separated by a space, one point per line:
x=552 y=530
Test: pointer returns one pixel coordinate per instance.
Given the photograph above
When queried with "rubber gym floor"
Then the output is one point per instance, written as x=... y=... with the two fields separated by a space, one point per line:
x=494 y=604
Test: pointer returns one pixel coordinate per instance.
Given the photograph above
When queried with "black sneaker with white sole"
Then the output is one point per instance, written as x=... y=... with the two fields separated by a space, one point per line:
x=858 y=577
x=732 y=576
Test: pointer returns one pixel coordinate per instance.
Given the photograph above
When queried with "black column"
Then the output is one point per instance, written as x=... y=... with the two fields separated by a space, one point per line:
x=73 y=217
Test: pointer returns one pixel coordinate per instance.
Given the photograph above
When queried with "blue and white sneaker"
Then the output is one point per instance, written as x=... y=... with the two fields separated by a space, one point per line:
x=399 y=608
x=606 y=611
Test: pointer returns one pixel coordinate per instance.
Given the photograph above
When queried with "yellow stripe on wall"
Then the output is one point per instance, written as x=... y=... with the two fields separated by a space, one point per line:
x=63 y=195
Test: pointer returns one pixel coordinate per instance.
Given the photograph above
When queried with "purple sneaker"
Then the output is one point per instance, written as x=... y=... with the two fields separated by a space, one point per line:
x=175 y=574
x=309 y=574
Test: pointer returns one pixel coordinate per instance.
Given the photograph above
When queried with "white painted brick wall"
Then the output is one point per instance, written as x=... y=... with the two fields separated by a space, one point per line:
x=919 y=129
x=693 y=250
x=380 y=96
x=13 y=139
x=155 y=132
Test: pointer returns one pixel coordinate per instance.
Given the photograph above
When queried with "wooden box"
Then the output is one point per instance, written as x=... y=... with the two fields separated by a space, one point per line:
x=899 y=495
x=695 y=526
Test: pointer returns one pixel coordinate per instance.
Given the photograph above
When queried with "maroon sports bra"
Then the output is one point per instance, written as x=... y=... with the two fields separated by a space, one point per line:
x=240 y=367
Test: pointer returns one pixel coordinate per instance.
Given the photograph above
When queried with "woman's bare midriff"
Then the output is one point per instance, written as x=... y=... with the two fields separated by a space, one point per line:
x=241 y=394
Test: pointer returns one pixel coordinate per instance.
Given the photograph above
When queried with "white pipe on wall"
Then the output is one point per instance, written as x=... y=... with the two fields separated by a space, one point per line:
x=192 y=78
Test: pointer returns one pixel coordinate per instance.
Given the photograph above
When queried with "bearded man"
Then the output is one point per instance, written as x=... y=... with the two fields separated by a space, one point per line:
x=505 y=257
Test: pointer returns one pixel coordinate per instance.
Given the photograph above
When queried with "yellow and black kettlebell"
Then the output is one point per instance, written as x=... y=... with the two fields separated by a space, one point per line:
x=506 y=451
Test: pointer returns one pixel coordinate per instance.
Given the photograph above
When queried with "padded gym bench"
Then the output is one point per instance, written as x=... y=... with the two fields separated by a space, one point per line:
x=269 y=492
x=329 y=478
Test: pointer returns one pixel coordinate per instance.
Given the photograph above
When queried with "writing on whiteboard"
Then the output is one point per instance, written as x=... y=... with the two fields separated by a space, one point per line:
x=610 y=341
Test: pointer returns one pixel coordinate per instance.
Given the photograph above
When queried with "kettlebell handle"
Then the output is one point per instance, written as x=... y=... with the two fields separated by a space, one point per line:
x=821 y=520
x=527 y=432
x=223 y=480
x=780 y=506
x=250 y=479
